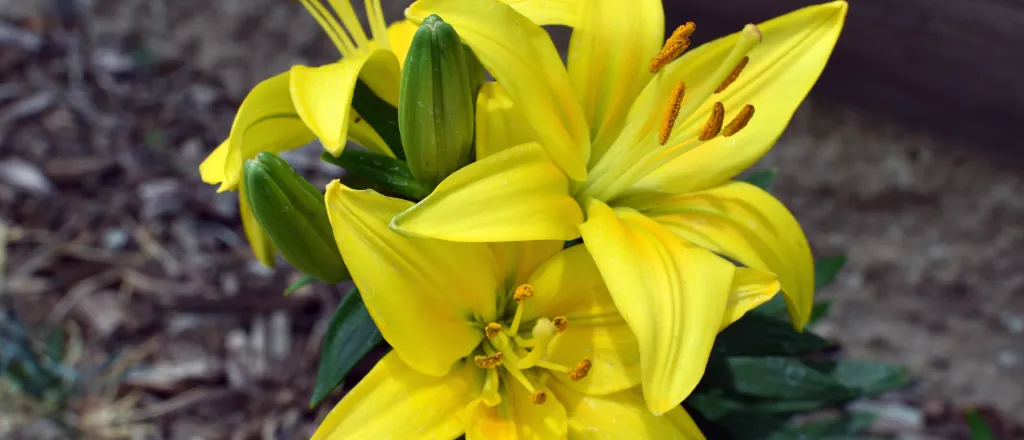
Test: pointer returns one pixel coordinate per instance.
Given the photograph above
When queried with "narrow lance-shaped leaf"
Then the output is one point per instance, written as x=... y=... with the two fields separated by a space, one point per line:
x=349 y=337
x=390 y=173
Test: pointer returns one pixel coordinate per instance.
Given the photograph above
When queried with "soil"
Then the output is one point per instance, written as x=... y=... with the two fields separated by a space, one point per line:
x=106 y=111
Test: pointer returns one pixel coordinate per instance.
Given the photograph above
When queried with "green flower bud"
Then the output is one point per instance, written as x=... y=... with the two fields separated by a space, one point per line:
x=435 y=111
x=294 y=216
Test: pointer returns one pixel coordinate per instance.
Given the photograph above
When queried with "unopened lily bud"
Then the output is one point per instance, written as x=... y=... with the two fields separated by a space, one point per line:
x=435 y=111
x=294 y=216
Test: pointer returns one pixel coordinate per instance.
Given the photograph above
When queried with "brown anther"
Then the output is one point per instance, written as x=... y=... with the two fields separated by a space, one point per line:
x=492 y=330
x=714 y=124
x=560 y=323
x=732 y=75
x=739 y=121
x=671 y=112
x=674 y=46
x=488 y=361
x=539 y=397
x=523 y=292
x=580 y=370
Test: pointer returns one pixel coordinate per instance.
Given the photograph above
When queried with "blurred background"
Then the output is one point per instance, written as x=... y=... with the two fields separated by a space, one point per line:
x=907 y=158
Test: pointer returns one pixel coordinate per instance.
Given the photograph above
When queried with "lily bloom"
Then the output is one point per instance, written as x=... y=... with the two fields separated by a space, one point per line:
x=510 y=340
x=643 y=137
x=291 y=109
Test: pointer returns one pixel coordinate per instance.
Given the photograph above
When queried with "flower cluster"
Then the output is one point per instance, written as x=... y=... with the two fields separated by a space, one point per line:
x=551 y=253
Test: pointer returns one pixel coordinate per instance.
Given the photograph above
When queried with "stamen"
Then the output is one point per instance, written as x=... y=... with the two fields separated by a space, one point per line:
x=539 y=397
x=714 y=124
x=560 y=323
x=581 y=370
x=733 y=75
x=523 y=292
x=671 y=112
x=489 y=393
x=553 y=366
x=674 y=46
x=488 y=361
x=330 y=25
x=493 y=329
x=739 y=121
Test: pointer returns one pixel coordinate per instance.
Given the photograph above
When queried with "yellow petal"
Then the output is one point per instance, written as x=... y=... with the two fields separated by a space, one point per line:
x=518 y=418
x=322 y=96
x=383 y=74
x=259 y=241
x=781 y=71
x=426 y=296
x=396 y=401
x=400 y=36
x=362 y=133
x=266 y=121
x=622 y=415
x=569 y=284
x=212 y=168
x=750 y=288
x=514 y=195
x=548 y=12
x=672 y=295
x=609 y=53
x=499 y=124
x=746 y=224
x=518 y=259
x=520 y=56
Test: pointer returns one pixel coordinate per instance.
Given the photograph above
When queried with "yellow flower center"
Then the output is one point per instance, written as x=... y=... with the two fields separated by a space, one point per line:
x=507 y=351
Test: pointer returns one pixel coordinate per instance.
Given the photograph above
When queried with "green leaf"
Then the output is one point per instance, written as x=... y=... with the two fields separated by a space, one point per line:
x=761 y=179
x=820 y=310
x=350 y=336
x=826 y=269
x=773 y=378
x=299 y=283
x=762 y=335
x=978 y=426
x=390 y=173
x=383 y=117
x=867 y=378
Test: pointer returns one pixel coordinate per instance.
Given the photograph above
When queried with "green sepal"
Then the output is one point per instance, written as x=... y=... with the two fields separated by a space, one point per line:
x=293 y=214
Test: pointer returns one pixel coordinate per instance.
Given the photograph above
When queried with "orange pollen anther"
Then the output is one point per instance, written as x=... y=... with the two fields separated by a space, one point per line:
x=523 y=292
x=492 y=330
x=671 y=112
x=539 y=397
x=674 y=46
x=560 y=323
x=488 y=361
x=581 y=370
x=732 y=75
x=714 y=124
x=739 y=121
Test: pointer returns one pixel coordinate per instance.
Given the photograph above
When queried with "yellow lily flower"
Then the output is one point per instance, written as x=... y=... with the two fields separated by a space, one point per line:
x=291 y=109
x=505 y=340
x=645 y=144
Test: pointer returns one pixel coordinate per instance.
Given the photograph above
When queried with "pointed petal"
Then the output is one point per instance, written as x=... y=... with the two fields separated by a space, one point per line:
x=425 y=295
x=211 y=170
x=520 y=56
x=609 y=53
x=514 y=195
x=522 y=419
x=672 y=295
x=518 y=259
x=548 y=12
x=362 y=133
x=750 y=288
x=259 y=241
x=781 y=71
x=569 y=284
x=396 y=401
x=400 y=36
x=322 y=96
x=266 y=121
x=622 y=415
x=499 y=124
x=746 y=224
